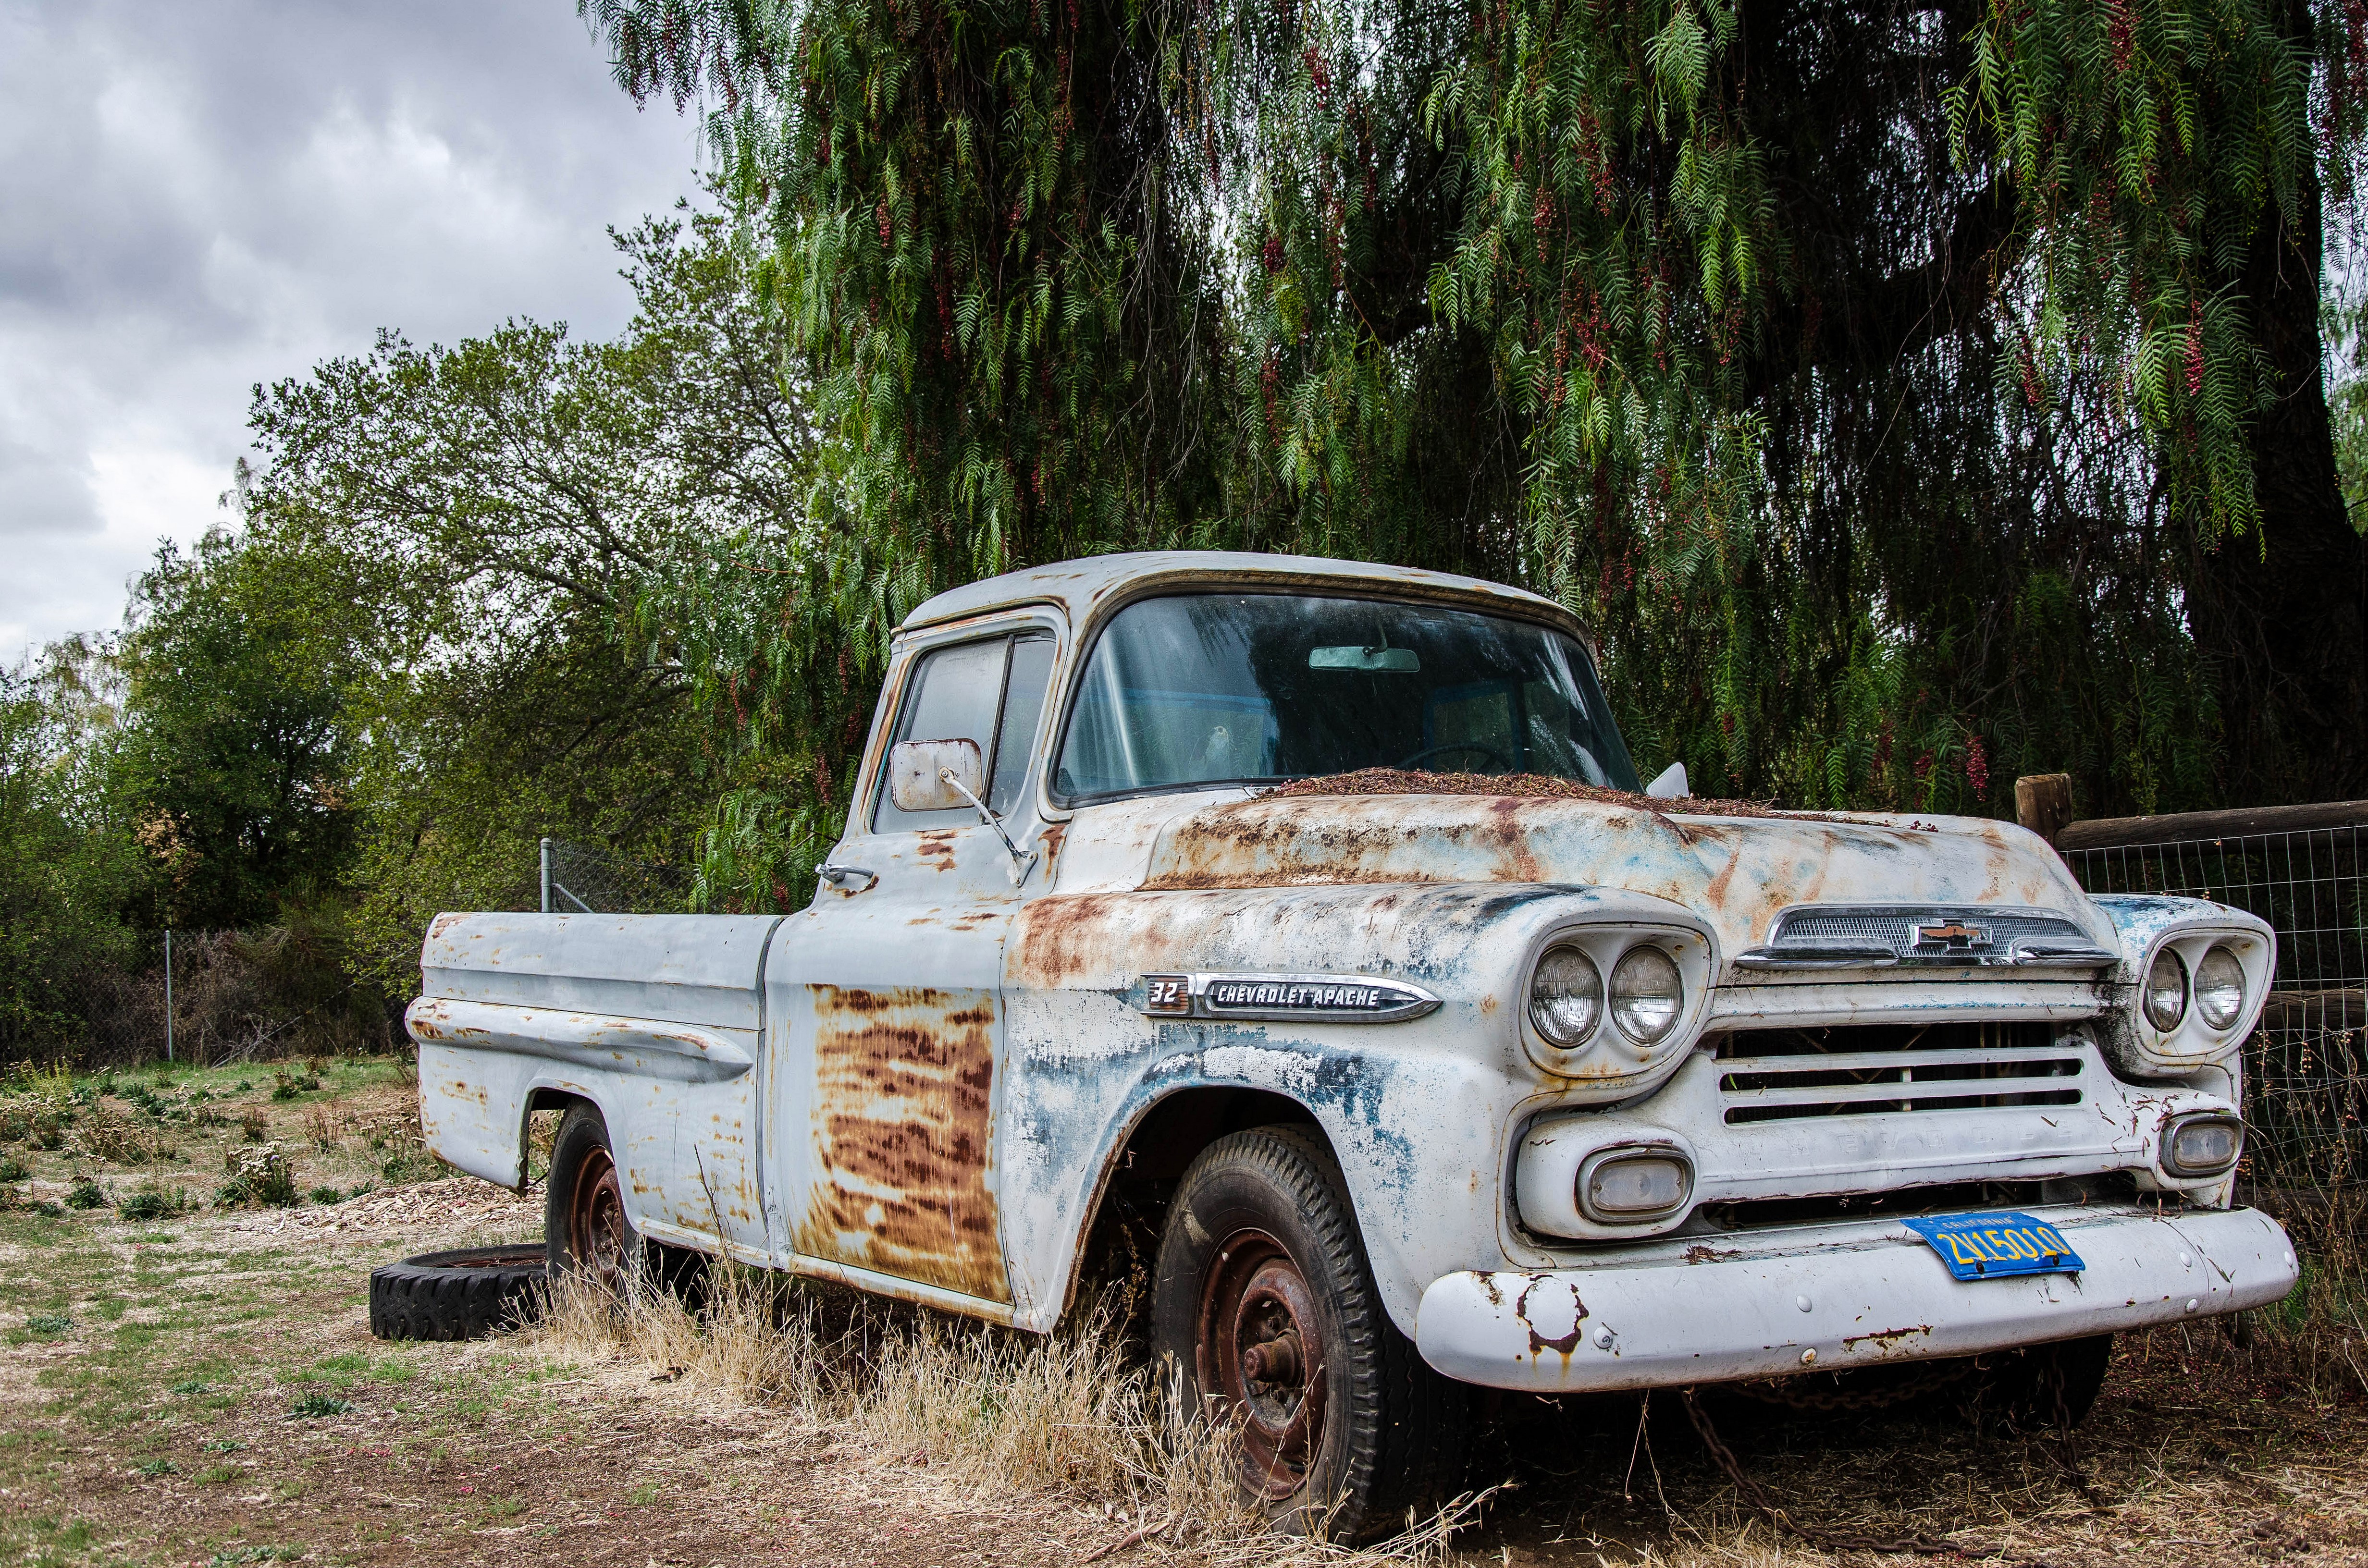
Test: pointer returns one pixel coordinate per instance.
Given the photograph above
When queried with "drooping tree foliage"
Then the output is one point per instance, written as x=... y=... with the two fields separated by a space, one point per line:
x=1911 y=394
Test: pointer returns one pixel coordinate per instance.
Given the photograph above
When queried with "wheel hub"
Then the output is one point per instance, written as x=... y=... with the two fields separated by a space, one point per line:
x=1261 y=1354
x=596 y=1231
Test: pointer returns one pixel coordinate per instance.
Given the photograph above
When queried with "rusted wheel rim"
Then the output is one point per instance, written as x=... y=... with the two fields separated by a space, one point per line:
x=597 y=1231
x=1261 y=1352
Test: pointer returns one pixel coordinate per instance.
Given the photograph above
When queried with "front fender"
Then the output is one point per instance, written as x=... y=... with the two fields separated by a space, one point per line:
x=1418 y=1111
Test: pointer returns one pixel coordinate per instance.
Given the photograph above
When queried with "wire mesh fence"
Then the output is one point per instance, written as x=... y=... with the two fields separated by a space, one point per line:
x=577 y=879
x=226 y=996
x=2307 y=1066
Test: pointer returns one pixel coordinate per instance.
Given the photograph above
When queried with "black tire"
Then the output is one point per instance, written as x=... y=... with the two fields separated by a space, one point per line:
x=466 y=1293
x=2039 y=1387
x=584 y=1228
x=1260 y=1255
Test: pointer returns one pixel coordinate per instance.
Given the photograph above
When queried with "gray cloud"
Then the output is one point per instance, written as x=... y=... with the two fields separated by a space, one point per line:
x=200 y=197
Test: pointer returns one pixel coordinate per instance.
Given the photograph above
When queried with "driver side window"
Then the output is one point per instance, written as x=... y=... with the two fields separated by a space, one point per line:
x=990 y=693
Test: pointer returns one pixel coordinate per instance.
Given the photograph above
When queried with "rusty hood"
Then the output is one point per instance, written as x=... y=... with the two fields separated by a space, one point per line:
x=1735 y=873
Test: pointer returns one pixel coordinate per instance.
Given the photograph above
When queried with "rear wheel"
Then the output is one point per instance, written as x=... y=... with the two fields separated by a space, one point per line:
x=585 y=1227
x=1265 y=1308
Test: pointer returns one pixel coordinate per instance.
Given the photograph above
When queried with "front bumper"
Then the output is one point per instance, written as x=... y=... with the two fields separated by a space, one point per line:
x=1829 y=1297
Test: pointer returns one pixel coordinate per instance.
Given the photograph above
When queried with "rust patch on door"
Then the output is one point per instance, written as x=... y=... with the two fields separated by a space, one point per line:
x=903 y=1130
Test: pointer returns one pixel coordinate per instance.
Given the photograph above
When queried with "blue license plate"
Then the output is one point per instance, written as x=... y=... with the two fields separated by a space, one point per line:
x=2003 y=1241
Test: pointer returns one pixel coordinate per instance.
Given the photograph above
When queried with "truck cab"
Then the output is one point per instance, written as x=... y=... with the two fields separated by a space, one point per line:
x=1311 y=918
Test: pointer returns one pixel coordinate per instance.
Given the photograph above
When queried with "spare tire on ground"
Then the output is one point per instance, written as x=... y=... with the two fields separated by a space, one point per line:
x=462 y=1294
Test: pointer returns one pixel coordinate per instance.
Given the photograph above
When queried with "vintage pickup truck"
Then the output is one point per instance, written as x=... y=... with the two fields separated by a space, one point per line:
x=1308 y=918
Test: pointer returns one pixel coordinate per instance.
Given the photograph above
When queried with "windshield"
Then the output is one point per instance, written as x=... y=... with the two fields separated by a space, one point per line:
x=1254 y=688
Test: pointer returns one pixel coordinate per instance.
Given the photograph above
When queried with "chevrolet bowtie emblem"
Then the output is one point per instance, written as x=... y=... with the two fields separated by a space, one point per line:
x=1953 y=935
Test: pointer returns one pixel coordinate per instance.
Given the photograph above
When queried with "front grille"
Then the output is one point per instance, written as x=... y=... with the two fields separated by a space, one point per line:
x=1892 y=1070
x=1976 y=935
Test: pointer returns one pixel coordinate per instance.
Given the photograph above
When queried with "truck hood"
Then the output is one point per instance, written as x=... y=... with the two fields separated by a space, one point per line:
x=1735 y=872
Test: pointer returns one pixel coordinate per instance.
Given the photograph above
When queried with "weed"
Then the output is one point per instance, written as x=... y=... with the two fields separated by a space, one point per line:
x=314 y=1405
x=233 y=1556
x=326 y=1195
x=408 y=1165
x=321 y=1128
x=48 y=1211
x=14 y=1169
x=42 y=1323
x=244 y=1087
x=86 y=1194
x=155 y=1202
x=260 y=1177
x=193 y=1386
x=643 y=1495
x=158 y=1467
x=252 y=1125
x=287 y=1085
x=224 y=1446
x=214 y=1474
x=107 y=1134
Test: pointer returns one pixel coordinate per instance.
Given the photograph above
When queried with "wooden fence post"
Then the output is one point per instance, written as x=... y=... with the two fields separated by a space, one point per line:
x=2043 y=802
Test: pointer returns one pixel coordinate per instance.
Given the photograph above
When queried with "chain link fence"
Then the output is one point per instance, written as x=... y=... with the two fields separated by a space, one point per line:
x=577 y=879
x=233 y=996
x=2307 y=1066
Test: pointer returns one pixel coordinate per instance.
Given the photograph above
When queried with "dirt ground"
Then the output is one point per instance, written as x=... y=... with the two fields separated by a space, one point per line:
x=202 y=1388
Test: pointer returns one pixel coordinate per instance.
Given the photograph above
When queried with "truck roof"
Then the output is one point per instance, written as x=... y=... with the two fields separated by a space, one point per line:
x=1084 y=586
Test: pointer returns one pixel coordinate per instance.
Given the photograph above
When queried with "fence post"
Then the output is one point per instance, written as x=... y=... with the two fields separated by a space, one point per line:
x=546 y=876
x=168 y=994
x=2043 y=802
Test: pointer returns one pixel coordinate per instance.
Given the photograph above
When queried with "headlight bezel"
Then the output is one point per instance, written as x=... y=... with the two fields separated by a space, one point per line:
x=1611 y=1062
x=2145 y=1047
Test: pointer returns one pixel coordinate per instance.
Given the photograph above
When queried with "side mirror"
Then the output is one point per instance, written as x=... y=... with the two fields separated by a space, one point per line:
x=1670 y=785
x=916 y=770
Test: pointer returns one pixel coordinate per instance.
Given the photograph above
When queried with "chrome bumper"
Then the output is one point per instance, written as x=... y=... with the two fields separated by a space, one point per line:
x=1829 y=1297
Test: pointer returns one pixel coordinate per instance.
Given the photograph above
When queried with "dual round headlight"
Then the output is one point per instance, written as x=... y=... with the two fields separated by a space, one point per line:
x=1566 y=995
x=2216 y=990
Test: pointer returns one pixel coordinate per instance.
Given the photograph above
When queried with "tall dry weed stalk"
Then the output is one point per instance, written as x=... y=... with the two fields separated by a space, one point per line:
x=1072 y=1414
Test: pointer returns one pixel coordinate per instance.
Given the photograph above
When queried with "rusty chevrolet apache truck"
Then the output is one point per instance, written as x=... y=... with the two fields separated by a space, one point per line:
x=1516 y=1076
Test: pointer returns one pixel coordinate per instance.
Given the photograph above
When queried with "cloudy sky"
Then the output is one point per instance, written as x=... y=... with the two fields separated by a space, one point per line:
x=196 y=198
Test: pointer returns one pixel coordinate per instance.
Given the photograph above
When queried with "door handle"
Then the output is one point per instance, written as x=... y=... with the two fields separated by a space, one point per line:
x=839 y=876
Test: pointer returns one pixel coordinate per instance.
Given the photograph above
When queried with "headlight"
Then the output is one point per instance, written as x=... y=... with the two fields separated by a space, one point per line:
x=2202 y=1145
x=1632 y=1186
x=2165 y=999
x=1565 y=997
x=1646 y=995
x=2220 y=988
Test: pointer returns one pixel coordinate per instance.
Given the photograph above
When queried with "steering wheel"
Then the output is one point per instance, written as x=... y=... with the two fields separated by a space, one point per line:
x=1504 y=764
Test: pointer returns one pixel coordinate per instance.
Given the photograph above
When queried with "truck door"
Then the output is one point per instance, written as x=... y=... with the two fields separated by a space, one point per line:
x=891 y=1001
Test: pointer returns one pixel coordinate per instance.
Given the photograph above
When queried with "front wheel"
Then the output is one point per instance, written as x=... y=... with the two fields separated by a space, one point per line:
x=1265 y=1309
x=584 y=1228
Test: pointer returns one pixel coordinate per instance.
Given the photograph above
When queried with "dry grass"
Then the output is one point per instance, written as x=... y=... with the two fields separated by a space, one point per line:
x=106 y=1133
x=994 y=1412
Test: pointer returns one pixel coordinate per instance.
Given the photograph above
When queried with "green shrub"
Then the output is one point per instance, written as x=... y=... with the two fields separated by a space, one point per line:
x=14 y=1169
x=407 y=1165
x=313 y=1406
x=86 y=1194
x=261 y=1177
x=44 y=1322
x=326 y=1195
x=252 y=1125
x=154 y=1202
x=159 y=1466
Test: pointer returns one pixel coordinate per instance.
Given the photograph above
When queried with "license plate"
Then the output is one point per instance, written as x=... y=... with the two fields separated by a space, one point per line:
x=2003 y=1241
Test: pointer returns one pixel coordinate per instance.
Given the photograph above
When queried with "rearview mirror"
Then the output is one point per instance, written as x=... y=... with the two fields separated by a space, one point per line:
x=1396 y=661
x=917 y=769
